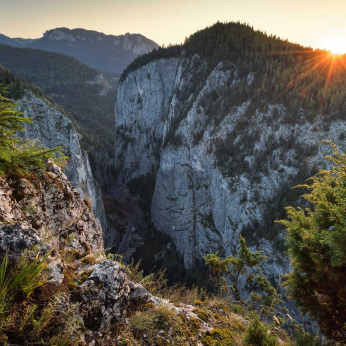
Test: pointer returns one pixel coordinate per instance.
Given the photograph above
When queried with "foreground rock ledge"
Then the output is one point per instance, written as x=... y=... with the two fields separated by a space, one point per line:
x=44 y=212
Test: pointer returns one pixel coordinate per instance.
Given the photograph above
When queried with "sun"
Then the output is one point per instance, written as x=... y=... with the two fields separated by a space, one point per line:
x=336 y=45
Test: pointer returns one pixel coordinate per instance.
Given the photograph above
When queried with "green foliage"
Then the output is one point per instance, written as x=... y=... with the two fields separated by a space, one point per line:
x=219 y=337
x=71 y=84
x=25 y=279
x=31 y=313
x=257 y=334
x=218 y=266
x=317 y=247
x=246 y=264
x=18 y=155
x=306 y=339
x=244 y=261
x=285 y=73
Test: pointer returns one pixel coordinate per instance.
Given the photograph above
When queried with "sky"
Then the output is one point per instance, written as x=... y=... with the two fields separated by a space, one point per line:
x=315 y=23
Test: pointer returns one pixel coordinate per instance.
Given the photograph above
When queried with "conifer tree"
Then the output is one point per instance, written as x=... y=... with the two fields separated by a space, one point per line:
x=245 y=264
x=18 y=155
x=316 y=238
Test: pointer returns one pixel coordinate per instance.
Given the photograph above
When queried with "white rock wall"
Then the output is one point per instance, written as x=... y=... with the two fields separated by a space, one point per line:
x=195 y=202
x=53 y=129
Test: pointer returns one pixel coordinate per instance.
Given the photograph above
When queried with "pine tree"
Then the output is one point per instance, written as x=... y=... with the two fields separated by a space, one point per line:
x=316 y=238
x=18 y=155
x=245 y=264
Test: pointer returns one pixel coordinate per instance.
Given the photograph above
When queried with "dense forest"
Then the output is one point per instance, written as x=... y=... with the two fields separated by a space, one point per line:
x=88 y=103
x=287 y=73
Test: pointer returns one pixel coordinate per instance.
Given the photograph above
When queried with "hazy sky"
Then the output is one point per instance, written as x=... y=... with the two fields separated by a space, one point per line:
x=316 y=23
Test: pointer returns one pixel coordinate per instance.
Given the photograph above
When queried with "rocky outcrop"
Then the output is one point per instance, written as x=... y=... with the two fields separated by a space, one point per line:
x=53 y=129
x=44 y=211
x=48 y=207
x=220 y=168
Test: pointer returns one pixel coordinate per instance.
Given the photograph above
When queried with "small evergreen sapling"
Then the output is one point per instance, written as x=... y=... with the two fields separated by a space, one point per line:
x=257 y=334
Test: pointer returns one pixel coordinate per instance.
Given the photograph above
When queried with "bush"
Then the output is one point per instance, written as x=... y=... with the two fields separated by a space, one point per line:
x=257 y=335
x=306 y=339
x=316 y=238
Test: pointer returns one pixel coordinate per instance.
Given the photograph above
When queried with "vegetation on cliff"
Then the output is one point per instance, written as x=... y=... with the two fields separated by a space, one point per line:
x=18 y=155
x=298 y=77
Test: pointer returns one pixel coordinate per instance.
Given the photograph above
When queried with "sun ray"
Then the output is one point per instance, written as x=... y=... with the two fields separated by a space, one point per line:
x=301 y=76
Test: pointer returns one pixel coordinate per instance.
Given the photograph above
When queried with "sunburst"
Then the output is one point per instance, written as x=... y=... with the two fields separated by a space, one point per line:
x=336 y=45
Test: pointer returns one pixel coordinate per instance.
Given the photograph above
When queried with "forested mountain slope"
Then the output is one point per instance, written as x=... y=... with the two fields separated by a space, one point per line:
x=212 y=136
x=85 y=95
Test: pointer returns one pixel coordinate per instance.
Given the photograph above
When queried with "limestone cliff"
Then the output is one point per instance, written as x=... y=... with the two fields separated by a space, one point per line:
x=53 y=129
x=219 y=170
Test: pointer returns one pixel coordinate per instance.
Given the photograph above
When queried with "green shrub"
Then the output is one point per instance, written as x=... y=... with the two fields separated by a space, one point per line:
x=316 y=239
x=306 y=339
x=257 y=335
x=218 y=337
x=25 y=278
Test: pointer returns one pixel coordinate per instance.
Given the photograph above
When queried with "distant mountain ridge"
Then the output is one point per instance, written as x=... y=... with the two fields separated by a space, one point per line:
x=87 y=98
x=9 y=41
x=16 y=42
x=104 y=52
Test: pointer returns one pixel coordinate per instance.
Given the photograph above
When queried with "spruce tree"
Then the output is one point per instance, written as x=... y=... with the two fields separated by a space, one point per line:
x=316 y=238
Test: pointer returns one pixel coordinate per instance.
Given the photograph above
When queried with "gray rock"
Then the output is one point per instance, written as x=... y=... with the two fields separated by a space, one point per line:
x=138 y=293
x=53 y=129
x=164 y=129
x=45 y=213
x=109 y=288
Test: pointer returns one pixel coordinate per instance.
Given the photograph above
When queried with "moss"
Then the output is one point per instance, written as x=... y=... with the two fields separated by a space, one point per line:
x=30 y=209
x=72 y=286
x=70 y=277
x=218 y=337
x=217 y=316
x=86 y=253
x=71 y=255
x=203 y=315
x=198 y=302
x=89 y=260
x=194 y=325
x=85 y=276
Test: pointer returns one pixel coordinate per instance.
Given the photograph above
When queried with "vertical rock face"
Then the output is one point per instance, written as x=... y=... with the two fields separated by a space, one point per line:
x=139 y=136
x=44 y=210
x=220 y=170
x=53 y=129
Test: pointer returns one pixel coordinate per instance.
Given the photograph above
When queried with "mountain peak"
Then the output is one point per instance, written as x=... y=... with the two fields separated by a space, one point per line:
x=59 y=35
x=104 y=52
